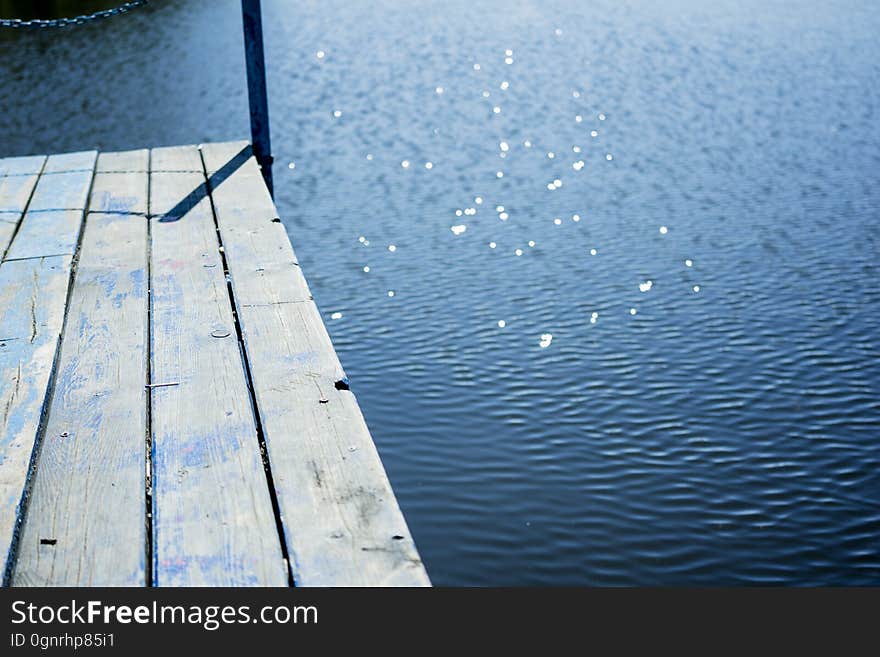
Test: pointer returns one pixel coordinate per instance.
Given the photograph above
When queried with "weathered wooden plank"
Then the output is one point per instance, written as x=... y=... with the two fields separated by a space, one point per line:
x=85 y=523
x=33 y=293
x=267 y=269
x=32 y=299
x=123 y=161
x=61 y=191
x=16 y=166
x=65 y=182
x=220 y=154
x=176 y=158
x=341 y=519
x=213 y=520
x=65 y=162
x=46 y=233
x=15 y=191
x=8 y=222
x=119 y=193
x=119 y=185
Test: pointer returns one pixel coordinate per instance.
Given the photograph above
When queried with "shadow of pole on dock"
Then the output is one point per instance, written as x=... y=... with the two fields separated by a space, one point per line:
x=214 y=181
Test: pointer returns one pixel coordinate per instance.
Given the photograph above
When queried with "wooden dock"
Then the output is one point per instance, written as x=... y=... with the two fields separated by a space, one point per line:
x=172 y=412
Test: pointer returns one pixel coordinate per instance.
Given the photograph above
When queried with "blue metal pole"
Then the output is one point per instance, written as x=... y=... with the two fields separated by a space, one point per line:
x=256 y=80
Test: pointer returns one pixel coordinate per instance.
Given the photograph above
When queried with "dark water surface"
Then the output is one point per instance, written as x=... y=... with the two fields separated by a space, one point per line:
x=729 y=430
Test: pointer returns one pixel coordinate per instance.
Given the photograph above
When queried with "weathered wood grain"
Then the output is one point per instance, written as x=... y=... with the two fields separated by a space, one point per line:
x=16 y=166
x=119 y=193
x=61 y=191
x=176 y=158
x=45 y=233
x=33 y=294
x=65 y=162
x=219 y=154
x=32 y=298
x=267 y=270
x=15 y=191
x=123 y=161
x=213 y=520
x=8 y=222
x=341 y=519
x=119 y=185
x=85 y=522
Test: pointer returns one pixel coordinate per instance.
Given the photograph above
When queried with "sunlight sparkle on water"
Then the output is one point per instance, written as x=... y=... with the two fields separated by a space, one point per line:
x=458 y=229
x=663 y=230
x=546 y=339
x=392 y=248
x=501 y=323
x=367 y=269
x=404 y=164
x=336 y=315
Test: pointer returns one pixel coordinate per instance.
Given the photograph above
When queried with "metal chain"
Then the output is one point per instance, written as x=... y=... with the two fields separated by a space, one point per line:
x=37 y=23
